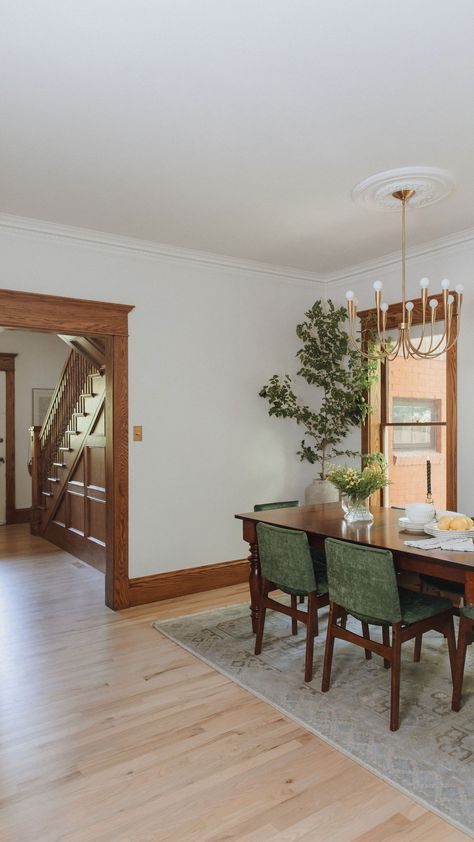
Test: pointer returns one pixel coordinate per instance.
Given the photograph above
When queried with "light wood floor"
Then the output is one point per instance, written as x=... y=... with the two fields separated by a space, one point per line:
x=111 y=732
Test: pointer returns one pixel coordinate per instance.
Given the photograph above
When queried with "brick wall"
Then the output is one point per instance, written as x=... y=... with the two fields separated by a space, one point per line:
x=417 y=379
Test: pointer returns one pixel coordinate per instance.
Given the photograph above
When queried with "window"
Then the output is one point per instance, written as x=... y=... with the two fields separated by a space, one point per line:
x=416 y=437
x=413 y=421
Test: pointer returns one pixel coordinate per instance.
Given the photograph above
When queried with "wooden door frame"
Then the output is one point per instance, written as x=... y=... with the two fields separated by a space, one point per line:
x=7 y=364
x=57 y=314
x=371 y=439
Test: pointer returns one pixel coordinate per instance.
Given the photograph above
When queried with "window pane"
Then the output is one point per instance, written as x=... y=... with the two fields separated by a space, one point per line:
x=407 y=467
x=416 y=390
x=416 y=409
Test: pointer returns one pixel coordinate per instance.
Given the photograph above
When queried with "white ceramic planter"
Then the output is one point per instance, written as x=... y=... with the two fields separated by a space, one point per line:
x=321 y=491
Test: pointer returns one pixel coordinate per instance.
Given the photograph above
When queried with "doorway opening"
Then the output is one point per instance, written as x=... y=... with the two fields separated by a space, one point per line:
x=75 y=318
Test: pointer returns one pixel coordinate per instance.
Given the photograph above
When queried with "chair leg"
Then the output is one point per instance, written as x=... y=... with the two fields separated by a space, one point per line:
x=417 y=649
x=294 y=621
x=464 y=633
x=301 y=600
x=310 y=627
x=329 y=649
x=343 y=616
x=261 y=624
x=366 y=634
x=386 y=642
x=395 y=678
x=450 y=636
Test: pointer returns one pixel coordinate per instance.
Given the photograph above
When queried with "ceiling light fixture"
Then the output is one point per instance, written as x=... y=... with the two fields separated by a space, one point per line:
x=448 y=309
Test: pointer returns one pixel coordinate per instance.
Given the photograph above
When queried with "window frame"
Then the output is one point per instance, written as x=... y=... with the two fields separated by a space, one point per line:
x=372 y=430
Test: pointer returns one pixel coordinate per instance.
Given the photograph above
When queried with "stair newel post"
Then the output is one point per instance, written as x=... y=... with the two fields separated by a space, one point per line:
x=36 y=484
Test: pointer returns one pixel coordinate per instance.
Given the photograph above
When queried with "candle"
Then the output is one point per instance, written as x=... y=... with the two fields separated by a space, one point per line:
x=428 y=478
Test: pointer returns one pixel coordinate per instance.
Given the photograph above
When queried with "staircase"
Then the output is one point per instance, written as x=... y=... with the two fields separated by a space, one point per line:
x=68 y=462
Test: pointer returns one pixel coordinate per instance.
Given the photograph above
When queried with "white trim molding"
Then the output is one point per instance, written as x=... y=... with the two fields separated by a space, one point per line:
x=102 y=240
x=459 y=240
x=84 y=236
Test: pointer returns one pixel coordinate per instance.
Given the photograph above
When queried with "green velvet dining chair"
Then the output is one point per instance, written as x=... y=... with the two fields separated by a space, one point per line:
x=287 y=565
x=362 y=582
x=283 y=504
x=465 y=637
x=317 y=554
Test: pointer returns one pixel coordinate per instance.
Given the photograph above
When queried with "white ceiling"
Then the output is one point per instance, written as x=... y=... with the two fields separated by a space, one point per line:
x=236 y=126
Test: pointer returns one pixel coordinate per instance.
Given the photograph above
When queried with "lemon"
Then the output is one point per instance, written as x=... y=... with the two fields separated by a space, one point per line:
x=458 y=523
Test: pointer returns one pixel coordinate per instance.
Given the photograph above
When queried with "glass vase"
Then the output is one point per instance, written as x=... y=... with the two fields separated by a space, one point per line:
x=356 y=509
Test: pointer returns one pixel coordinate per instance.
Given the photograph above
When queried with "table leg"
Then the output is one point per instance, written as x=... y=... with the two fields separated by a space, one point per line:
x=469 y=589
x=255 y=584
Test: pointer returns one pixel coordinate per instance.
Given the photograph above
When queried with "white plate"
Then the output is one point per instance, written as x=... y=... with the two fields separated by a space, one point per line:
x=430 y=529
x=409 y=526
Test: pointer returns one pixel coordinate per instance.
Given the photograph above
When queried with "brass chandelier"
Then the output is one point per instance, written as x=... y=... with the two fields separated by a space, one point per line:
x=384 y=347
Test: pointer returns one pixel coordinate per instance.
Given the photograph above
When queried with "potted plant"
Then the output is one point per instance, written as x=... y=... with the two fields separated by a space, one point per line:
x=357 y=486
x=342 y=378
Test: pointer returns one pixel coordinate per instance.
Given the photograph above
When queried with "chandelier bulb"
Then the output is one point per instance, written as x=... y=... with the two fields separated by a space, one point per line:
x=445 y=284
x=424 y=283
x=433 y=303
x=384 y=306
x=450 y=299
x=409 y=306
x=349 y=295
x=378 y=286
x=459 y=289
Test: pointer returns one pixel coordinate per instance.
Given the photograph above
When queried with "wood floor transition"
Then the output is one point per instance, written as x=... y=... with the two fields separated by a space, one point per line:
x=111 y=733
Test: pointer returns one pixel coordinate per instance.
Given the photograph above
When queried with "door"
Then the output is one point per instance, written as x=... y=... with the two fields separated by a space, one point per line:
x=3 y=433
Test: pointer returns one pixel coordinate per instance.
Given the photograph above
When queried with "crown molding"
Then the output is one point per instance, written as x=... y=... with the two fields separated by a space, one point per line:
x=102 y=240
x=116 y=242
x=451 y=241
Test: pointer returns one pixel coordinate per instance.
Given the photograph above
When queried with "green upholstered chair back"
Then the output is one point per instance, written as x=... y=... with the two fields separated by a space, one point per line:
x=263 y=507
x=285 y=558
x=362 y=580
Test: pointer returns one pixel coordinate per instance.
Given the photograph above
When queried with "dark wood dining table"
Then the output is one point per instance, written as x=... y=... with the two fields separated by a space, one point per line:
x=327 y=521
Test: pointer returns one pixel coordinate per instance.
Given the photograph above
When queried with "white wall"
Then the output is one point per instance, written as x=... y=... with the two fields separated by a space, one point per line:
x=38 y=365
x=204 y=337
x=449 y=261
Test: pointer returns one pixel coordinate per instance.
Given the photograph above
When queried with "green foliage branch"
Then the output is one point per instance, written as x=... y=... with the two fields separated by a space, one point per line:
x=330 y=364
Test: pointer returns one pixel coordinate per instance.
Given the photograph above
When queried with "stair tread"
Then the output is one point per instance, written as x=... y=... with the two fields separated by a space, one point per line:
x=65 y=449
x=52 y=479
x=47 y=493
x=59 y=464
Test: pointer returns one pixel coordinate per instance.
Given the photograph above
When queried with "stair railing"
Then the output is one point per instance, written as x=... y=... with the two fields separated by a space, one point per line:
x=66 y=404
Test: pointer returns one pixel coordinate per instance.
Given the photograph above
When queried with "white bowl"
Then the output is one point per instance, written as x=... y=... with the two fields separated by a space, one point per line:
x=420 y=512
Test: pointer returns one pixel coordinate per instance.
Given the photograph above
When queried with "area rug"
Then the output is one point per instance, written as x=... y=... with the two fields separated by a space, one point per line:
x=431 y=757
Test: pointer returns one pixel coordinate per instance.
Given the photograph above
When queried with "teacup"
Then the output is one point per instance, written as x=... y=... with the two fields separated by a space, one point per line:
x=420 y=512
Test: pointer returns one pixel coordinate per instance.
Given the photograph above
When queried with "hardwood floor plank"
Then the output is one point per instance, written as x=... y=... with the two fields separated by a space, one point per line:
x=112 y=733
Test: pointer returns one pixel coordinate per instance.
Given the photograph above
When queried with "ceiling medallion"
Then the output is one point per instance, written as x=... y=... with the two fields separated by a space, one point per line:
x=431 y=184
x=419 y=186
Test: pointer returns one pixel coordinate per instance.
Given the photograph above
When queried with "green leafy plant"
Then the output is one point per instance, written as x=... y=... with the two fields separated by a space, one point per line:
x=358 y=485
x=343 y=376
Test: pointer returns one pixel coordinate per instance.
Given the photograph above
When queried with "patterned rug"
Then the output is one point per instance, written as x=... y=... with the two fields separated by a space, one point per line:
x=431 y=757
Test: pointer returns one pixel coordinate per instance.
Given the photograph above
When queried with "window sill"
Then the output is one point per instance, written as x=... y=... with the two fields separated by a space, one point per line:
x=418 y=458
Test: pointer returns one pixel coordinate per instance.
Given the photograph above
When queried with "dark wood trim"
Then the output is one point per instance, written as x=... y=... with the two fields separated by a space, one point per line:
x=73 y=316
x=116 y=426
x=372 y=428
x=21 y=516
x=451 y=430
x=191 y=580
x=67 y=540
x=7 y=364
x=63 y=315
